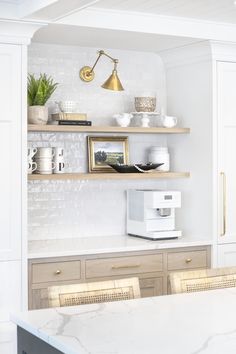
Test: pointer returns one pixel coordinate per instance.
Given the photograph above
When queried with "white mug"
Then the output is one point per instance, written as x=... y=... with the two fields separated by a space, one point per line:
x=45 y=166
x=59 y=166
x=32 y=166
x=31 y=152
x=44 y=152
x=58 y=152
x=168 y=121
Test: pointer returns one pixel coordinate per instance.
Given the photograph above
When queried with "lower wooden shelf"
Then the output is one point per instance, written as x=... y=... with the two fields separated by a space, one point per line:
x=111 y=176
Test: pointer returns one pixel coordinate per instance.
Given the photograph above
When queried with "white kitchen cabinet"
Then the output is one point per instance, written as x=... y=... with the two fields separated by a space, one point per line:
x=11 y=183
x=14 y=37
x=226 y=112
x=10 y=289
x=10 y=179
x=201 y=81
x=7 y=338
x=226 y=255
x=10 y=152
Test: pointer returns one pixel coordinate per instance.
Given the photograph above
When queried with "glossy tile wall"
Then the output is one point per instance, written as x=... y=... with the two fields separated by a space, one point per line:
x=90 y=208
x=139 y=72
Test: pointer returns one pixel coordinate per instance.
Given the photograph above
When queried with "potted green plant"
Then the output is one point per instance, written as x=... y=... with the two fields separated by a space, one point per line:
x=39 y=91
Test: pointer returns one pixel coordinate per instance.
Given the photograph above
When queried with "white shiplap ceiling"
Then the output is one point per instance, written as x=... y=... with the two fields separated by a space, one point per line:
x=209 y=10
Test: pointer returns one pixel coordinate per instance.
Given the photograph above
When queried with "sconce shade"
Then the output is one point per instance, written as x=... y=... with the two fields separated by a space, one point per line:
x=113 y=82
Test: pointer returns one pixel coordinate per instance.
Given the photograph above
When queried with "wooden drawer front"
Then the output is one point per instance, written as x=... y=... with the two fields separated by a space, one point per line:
x=123 y=265
x=187 y=260
x=151 y=287
x=55 y=271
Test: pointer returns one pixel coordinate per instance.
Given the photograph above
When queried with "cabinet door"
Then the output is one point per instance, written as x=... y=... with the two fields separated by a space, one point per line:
x=10 y=288
x=10 y=152
x=151 y=286
x=7 y=338
x=38 y=299
x=226 y=100
x=226 y=255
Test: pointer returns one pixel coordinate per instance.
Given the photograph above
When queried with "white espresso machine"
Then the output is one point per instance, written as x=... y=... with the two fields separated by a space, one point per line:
x=151 y=213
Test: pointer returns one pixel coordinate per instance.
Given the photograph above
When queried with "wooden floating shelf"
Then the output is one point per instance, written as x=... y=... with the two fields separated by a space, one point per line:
x=104 y=129
x=111 y=176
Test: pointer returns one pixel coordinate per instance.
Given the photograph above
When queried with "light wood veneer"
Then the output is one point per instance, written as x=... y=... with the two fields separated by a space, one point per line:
x=151 y=267
x=111 y=176
x=105 y=129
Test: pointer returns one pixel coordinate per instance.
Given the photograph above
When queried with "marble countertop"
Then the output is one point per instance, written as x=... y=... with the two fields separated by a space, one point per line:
x=199 y=323
x=103 y=244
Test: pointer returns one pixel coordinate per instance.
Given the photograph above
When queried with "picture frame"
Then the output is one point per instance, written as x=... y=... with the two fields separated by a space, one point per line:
x=106 y=149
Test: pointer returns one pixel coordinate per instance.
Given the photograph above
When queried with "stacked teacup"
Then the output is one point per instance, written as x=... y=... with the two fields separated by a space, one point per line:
x=43 y=158
x=31 y=164
x=58 y=160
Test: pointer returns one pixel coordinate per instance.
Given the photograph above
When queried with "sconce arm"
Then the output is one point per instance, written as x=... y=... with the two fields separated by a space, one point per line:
x=87 y=73
x=100 y=53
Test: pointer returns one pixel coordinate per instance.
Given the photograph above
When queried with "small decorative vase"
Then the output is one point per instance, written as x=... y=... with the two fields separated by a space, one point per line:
x=37 y=115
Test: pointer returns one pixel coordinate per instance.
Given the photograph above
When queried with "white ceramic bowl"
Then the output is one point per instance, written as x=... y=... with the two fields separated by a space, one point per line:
x=68 y=106
x=123 y=120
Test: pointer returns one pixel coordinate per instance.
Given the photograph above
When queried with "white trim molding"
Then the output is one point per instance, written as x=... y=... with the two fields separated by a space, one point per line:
x=188 y=54
x=149 y=23
x=223 y=51
x=18 y=32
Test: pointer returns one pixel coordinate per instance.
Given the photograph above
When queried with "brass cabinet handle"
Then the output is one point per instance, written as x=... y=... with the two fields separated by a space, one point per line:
x=224 y=204
x=126 y=266
x=58 y=271
x=188 y=260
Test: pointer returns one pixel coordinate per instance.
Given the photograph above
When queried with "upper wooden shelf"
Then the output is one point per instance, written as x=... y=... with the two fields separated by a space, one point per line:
x=105 y=129
x=112 y=176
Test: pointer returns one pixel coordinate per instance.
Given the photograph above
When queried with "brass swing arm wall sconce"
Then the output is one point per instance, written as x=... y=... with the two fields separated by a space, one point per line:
x=112 y=83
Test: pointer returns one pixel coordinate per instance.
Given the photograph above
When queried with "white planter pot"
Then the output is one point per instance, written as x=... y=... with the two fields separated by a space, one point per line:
x=37 y=115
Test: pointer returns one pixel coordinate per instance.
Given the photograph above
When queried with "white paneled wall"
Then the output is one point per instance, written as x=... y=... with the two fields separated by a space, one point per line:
x=90 y=208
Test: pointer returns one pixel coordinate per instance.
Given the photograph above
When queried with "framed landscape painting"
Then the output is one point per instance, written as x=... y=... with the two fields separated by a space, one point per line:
x=103 y=150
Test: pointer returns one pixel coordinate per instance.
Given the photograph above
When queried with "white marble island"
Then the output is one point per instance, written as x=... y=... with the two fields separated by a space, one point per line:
x=176 y=324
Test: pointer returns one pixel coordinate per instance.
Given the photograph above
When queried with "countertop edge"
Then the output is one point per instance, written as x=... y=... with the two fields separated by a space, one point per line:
x=146 y=246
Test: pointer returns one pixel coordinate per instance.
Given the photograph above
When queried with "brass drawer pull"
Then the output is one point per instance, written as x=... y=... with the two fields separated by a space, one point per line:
x=125 y=266
x=58 y=271
x=188 y=260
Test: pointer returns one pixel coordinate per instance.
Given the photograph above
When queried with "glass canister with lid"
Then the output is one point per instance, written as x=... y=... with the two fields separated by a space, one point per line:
x=160 y=154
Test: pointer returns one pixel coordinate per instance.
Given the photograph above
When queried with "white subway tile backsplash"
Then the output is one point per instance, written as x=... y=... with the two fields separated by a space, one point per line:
x=60 y=209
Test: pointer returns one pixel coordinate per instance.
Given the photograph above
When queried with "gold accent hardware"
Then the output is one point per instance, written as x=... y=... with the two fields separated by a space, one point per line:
x=224 y=204
x=58 y=271
x=126 y=266
x=188 y=260
x=86 y=74
x=112 y=83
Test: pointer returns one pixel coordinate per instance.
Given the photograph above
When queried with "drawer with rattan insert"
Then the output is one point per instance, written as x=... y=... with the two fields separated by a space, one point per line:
x=55 y=271
x=187 y=260
x=124 y=265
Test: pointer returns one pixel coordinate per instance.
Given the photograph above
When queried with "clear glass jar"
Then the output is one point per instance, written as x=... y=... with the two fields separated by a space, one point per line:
x=159 y=154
